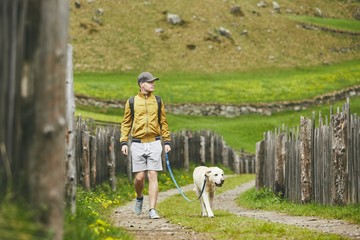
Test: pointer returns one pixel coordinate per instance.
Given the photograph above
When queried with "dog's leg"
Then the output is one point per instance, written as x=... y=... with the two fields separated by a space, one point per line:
x=203 y=208
x=207 y=204
x=211 y=197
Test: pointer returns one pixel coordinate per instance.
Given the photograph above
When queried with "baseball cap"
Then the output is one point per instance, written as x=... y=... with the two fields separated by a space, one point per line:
x=146 y=77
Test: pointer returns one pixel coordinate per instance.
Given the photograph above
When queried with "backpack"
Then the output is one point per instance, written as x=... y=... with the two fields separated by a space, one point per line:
x=131 y=102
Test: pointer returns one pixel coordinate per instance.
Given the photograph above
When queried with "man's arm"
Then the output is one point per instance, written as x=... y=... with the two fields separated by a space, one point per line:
x=125 y=128
x=165 y=129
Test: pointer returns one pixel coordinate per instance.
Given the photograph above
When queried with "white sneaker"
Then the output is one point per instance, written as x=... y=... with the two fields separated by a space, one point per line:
x=138 y=206
x=153 y=214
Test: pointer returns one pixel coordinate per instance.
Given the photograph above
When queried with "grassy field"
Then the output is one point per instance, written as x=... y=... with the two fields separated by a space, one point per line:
x=124 y=39
x=268 y=85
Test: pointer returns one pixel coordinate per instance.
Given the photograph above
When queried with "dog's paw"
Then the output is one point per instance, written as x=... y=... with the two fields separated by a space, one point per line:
x=211 y=215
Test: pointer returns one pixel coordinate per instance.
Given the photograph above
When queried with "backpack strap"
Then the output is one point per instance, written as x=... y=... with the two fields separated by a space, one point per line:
x=131 y=103
x=158 y=100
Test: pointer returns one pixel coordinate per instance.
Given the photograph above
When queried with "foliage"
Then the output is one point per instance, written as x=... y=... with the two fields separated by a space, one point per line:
x=226 y=225
x=93 y=209
x=265 y=199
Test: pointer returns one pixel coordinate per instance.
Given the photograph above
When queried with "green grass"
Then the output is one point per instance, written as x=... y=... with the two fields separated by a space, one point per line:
x=268 y=85
x=226 y=225
x=350 y=25
x=265 y=199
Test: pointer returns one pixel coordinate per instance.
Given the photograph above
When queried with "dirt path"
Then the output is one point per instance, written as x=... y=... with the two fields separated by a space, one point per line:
x=141 y=226
x=160 y=229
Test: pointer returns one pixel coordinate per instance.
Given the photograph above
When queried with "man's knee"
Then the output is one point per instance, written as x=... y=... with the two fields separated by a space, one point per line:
x=139 y=176
x=152 y=175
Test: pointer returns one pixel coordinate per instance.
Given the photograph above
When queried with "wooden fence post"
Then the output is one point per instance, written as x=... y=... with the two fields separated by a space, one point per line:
x=339 y=158
x=93 y=150
x=111 y=162
x=212 y=150
x=305 y=159
x=225 y=155
x=202 y=149
x=280 y=158
x=186 y=152
x=85 y=162
x=259 y=165
x=236 y=163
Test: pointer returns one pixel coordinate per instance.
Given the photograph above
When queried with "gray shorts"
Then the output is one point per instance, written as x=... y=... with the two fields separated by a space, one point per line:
x=146 y=156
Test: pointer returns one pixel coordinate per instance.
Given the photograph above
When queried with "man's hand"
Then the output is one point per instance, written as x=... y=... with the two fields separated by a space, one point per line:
x=167 y=148
x=125 y=150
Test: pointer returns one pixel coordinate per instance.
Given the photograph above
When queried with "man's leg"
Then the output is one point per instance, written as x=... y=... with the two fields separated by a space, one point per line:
x=139 y=183
x=153 y=188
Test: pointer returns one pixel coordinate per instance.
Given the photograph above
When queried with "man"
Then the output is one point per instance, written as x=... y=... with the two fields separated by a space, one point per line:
x=147 y=126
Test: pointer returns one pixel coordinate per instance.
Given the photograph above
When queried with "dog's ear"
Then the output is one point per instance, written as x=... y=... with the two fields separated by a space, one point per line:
x=207 y=174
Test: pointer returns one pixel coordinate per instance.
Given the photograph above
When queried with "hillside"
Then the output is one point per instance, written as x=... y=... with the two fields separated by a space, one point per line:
x=132 y=36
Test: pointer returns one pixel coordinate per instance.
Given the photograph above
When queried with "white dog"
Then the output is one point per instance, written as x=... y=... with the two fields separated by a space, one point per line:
x=214 y=178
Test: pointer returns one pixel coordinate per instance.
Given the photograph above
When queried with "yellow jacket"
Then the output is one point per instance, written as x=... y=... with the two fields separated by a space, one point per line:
x=145 y=126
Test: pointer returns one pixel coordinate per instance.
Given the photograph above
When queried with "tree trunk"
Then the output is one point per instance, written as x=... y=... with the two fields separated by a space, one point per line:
x=339 y=159
x=305 y=159
x=45 y=71
x=70 y=183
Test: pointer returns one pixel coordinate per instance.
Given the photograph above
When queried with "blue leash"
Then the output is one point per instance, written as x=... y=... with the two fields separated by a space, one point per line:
x=177 y=186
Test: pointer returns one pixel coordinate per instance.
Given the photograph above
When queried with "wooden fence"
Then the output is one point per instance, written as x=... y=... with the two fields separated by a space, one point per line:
x=99 y=158
x=309 y=164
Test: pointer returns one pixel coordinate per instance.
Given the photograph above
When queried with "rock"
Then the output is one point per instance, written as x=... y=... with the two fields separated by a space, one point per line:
x=318 y=12
x=276 y=7
x=99 y=11
x=77 y=4
x=224 y=32
x=236 y=11
x=173 y=19
x=159 y=30
x=262 y=4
